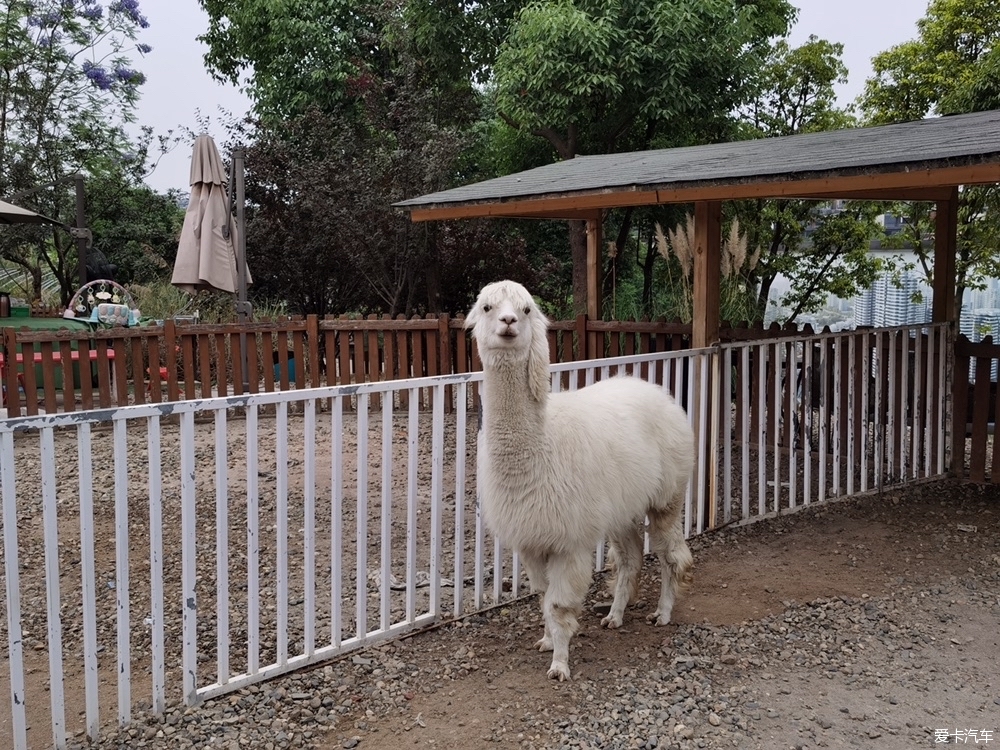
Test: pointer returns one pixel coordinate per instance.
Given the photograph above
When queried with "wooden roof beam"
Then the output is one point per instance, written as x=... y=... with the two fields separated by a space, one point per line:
x=901 y=185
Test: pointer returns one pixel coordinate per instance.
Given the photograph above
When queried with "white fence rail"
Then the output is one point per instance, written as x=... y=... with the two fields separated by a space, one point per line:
x=175 y=552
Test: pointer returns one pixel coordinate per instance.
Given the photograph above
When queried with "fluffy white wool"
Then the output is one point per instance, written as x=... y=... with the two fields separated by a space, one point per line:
x=560 y=472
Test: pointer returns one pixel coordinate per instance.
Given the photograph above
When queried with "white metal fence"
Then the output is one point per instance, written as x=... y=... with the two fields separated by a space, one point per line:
x=175 y=552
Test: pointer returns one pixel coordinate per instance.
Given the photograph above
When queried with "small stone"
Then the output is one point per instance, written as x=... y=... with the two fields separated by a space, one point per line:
x=713 y=719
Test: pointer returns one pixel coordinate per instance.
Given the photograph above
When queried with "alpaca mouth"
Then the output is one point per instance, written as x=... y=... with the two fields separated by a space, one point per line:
x=508 y=334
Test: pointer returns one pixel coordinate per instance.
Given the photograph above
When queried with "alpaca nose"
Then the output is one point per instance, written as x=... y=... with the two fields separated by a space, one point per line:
x=510 y=318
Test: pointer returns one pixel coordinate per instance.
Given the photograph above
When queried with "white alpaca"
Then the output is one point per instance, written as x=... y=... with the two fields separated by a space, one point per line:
x=560 y=472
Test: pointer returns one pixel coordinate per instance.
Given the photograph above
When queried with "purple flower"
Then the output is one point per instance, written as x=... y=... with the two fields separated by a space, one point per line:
x=92 y=12
x=97 y=75
x=144 y=48
x=47 y=40
x=127 y=75
x=34 y=21
x=129 y=8
x=52 y=18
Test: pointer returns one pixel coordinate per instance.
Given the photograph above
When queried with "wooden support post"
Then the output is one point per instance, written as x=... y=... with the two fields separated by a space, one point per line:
x=595 y=282
x=707 y=270
x=945 y=249
x=705 y=332
x=944 y=310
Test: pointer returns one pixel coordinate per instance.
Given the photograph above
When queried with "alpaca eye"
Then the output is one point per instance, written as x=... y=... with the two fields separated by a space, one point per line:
x=527 y=310
x=486 y=308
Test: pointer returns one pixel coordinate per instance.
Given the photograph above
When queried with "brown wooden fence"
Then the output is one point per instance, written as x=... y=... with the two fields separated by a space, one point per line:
x=112 y=367
x=974 y=397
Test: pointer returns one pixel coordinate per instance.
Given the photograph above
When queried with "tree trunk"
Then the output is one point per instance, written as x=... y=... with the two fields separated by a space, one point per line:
x=647 y=278
x=432 y=272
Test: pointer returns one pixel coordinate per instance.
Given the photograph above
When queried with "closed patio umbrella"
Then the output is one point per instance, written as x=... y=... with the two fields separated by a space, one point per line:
x=206 y=251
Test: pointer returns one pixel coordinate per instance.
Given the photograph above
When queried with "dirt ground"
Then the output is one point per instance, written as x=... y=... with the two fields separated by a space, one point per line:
x=919 y=554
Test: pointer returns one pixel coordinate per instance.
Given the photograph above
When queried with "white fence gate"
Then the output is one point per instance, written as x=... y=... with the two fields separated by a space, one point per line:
x=175 y=552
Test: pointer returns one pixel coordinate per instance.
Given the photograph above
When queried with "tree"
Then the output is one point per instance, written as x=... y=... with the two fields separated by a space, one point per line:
x=821 y=251
x=599 y=77
x=952 y=66
x=133 y=226
x=794 y=92
x=67 y=86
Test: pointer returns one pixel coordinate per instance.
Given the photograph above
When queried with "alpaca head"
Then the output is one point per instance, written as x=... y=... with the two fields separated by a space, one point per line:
x=510 y=329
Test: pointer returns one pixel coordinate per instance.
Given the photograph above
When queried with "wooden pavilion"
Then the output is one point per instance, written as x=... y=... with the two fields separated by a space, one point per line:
x=926 y=160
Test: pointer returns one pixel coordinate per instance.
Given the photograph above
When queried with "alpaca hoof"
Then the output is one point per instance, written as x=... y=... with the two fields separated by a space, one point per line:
x=559 y=672
x=611 y=622
x=657 y=619
x=544 y=644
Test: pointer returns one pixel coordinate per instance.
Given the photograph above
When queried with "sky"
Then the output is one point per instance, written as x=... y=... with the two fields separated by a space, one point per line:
x=178 y=88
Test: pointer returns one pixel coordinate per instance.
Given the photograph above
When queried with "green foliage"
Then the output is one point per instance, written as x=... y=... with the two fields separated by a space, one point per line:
x=133 y=226
x=592 y=77
x=293 y=56
x=794 y=91
x=952 y=66
x=303 y=53
x=161 y=300
x=459 y=40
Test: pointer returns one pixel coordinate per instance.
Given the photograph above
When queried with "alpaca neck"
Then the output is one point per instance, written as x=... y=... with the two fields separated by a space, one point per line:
x=513 y=421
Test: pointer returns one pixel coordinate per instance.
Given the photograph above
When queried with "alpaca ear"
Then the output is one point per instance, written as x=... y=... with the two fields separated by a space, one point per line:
x=539 y=381
x=472 y=318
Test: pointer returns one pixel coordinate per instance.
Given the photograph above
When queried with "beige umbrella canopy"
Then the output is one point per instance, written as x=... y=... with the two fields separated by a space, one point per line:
x=11 y=214
x=206 y=251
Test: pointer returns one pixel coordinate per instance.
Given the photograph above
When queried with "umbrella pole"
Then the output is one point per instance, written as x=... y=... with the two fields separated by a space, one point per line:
x=81 y=223
x=243 y=308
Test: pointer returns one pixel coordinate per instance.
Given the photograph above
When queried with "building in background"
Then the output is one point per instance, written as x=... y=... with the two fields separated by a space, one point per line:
x=894 y=301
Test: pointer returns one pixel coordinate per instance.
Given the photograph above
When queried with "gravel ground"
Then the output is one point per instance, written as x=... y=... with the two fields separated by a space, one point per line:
x=868 y=623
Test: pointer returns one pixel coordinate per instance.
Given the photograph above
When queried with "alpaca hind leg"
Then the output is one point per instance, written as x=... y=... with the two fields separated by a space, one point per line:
x=534 y=566
x=569 y=578
x=628 y=564
x=667 y=541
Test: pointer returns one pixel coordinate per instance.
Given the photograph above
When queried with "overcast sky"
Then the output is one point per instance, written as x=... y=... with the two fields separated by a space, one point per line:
x=178 y=87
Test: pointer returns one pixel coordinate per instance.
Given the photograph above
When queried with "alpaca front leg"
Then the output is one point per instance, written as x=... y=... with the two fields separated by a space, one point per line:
x=568 y=579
